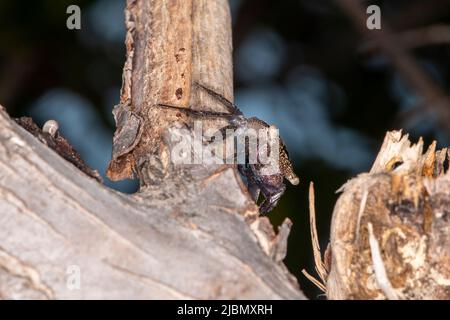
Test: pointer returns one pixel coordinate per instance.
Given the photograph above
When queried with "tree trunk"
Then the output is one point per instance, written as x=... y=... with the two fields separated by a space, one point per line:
x=192 y=231
x=390 y=228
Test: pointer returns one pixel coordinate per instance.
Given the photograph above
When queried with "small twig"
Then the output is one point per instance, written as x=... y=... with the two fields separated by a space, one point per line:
x=378 y=266
x=319 y=265
x=319 y=284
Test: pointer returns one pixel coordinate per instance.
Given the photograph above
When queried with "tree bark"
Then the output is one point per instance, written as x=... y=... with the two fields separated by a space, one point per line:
x=192 y=231
x=390 y=227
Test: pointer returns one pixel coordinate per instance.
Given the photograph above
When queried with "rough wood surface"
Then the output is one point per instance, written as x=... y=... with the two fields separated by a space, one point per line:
x=191 y=231
x=171 y=46
x=391 y=226
x=53 y=216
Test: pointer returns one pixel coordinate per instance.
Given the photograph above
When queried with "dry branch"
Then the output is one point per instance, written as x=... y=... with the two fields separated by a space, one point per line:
x=435 y=97
x=53 y=216
x=415 y=38
x=191 y=231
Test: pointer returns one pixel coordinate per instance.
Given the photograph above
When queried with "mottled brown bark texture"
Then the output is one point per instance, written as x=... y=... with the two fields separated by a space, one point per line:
x=192 y=231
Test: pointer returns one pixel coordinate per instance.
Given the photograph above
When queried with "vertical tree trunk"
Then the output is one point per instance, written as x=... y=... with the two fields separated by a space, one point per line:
x=191 y=231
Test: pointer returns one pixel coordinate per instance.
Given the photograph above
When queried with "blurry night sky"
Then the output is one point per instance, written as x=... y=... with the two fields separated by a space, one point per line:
x=298 y=65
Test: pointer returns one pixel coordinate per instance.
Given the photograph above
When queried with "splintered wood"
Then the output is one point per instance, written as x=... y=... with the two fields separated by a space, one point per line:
x=390 y=232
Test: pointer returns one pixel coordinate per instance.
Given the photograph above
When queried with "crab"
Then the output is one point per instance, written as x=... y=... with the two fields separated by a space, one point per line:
x=271 y=186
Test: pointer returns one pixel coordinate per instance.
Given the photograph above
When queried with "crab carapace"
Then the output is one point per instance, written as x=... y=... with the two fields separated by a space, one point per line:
x=271 y=186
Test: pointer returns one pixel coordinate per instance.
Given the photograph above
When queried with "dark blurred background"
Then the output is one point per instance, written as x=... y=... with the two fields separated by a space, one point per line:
x=299 y=64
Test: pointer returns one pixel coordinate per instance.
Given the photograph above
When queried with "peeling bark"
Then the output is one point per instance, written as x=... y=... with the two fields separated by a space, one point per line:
x=185 y=241
x=171 y=46
x=187 y=233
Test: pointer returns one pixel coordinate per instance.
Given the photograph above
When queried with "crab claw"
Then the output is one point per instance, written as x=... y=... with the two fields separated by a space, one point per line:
x=294 y=180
